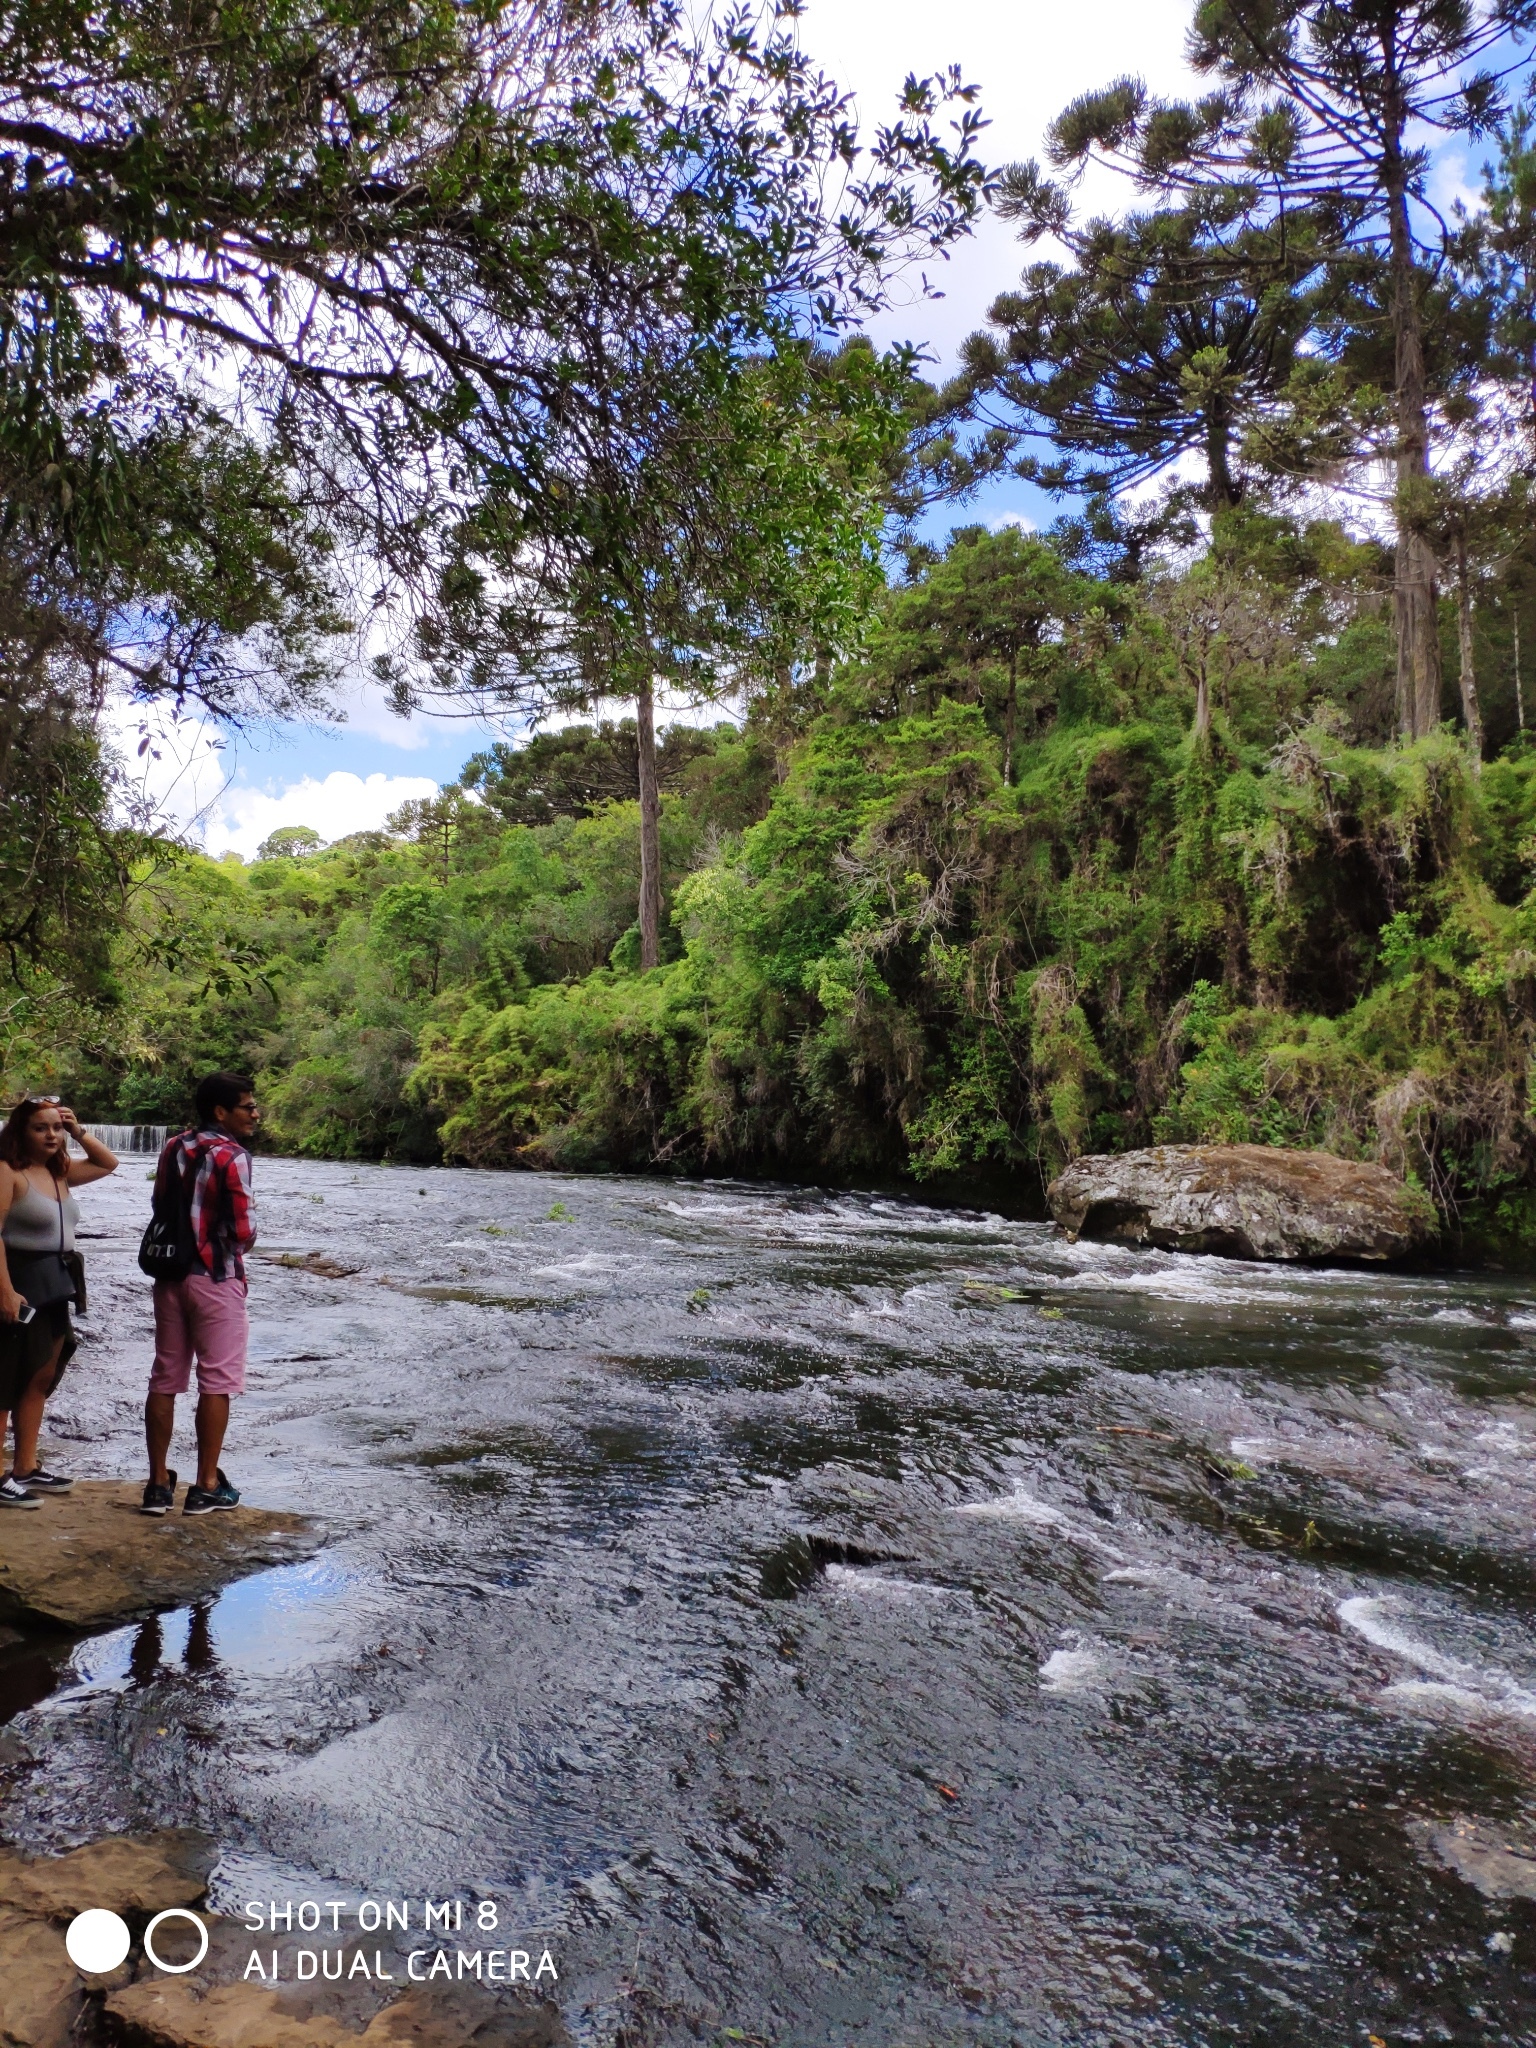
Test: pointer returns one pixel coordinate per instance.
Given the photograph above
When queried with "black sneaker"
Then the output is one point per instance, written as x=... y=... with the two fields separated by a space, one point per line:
x=14 y=1496
x=202 y=1500
x=159 y=1500
x=39 y=1481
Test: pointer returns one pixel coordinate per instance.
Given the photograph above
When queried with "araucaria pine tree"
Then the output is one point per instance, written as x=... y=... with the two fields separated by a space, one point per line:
x=1326 y=104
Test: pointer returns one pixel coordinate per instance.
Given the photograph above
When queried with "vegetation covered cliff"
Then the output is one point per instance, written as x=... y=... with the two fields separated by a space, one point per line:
x=962 y=906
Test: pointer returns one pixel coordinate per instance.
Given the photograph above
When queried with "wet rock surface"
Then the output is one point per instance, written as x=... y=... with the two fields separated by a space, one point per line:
x=825 y=1620
x=88 y=1558
x=41 y=1995
x=1241 y=1201
x=126 y=1874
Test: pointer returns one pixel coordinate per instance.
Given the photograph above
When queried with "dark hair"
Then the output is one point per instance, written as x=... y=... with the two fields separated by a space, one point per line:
x=220 y=1091
x=13 y=1136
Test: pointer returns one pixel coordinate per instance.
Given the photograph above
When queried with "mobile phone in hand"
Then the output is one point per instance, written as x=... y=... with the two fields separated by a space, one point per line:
x=25 y=1313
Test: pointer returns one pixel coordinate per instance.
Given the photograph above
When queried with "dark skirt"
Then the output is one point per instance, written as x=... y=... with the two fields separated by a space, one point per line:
x=25 y=1349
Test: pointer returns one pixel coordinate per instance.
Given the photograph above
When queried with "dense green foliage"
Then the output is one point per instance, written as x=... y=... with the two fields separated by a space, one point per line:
x=885 y=954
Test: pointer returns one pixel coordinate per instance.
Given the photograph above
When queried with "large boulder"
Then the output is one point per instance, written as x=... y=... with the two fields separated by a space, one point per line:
x=1242 y=1202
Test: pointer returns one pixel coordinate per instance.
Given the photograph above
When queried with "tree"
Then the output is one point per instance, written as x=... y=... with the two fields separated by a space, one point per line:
x=290 y=842
x=440 y=824
x=422 y=245
x=1486 y=494
x=745 y=535
x=65 y=870
x=188 y=213
x=568 y=773
x=1323 y=102
x=1170 y=332
x=1499 y=252
x=180 y=562
x=408 y=929
x=982 y=617
x=451 y=264
x=1219 y=620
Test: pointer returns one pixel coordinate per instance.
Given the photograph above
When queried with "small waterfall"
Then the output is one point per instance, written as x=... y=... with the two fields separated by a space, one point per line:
x=121 y=1138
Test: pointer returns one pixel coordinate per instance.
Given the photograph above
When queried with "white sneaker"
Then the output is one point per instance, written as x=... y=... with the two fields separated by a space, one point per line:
x=14 y=1496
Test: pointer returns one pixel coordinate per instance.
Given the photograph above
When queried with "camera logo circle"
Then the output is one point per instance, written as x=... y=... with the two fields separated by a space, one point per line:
x=97 y=1941
x=175 y=1913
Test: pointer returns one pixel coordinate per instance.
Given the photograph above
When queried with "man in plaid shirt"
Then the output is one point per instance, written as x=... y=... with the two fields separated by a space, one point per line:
x=203 y=1318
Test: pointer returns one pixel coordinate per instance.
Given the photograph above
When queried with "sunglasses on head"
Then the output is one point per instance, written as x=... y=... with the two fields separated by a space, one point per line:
x=42 y=1101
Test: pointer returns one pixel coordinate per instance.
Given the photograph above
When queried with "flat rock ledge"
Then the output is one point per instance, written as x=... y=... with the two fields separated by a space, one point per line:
x=1242 y=1202
x=45 y=2002
x=87 y=1559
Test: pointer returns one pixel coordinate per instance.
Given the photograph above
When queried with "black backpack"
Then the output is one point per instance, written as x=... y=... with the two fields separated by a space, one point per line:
x=168 y=1250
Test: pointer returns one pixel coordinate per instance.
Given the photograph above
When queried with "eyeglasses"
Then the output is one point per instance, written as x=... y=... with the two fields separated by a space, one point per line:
x=43 y=1101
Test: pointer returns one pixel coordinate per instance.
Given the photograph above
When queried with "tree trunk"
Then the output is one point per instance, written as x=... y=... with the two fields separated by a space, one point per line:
x=1222 y=490
x=1469 y=707
x=1415 y=599
x=650 y=825
x=1010 y=716
x=1519 y=693
x=783 y=730
x=1202 y=704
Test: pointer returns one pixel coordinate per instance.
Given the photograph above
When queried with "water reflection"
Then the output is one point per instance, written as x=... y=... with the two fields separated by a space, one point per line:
x=148 y=1648
x=29 y=1671
x=198 y=1655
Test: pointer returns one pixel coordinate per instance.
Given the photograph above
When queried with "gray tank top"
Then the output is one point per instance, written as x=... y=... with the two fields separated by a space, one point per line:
x=32 y=1223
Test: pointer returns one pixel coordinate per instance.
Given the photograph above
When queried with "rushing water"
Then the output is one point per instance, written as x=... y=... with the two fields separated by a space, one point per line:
x=839 y=1620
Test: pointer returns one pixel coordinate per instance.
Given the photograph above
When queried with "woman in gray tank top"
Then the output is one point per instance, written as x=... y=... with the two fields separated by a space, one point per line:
x=39 y=1275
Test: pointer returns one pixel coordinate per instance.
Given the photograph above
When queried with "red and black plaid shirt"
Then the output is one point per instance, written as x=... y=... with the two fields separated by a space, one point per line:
x=215 y=1175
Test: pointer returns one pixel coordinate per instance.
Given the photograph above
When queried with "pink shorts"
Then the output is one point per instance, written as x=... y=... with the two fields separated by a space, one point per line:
x=205 y=1317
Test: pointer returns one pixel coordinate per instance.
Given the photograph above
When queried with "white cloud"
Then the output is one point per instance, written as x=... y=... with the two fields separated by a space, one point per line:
x=1021 y=520
x=365 y=709
x=673 y=707
x=241 y=818
x=1455 y=179
x=1029 y=62
x=185 y=781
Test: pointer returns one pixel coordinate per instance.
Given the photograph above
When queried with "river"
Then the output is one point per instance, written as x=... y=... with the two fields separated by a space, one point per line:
x=835 y=1619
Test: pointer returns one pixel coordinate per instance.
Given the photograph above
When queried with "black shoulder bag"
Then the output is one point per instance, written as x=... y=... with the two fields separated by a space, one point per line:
x=168 y=1250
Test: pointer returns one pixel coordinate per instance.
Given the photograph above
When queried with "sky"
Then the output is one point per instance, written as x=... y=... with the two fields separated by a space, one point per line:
x=1029 y=58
